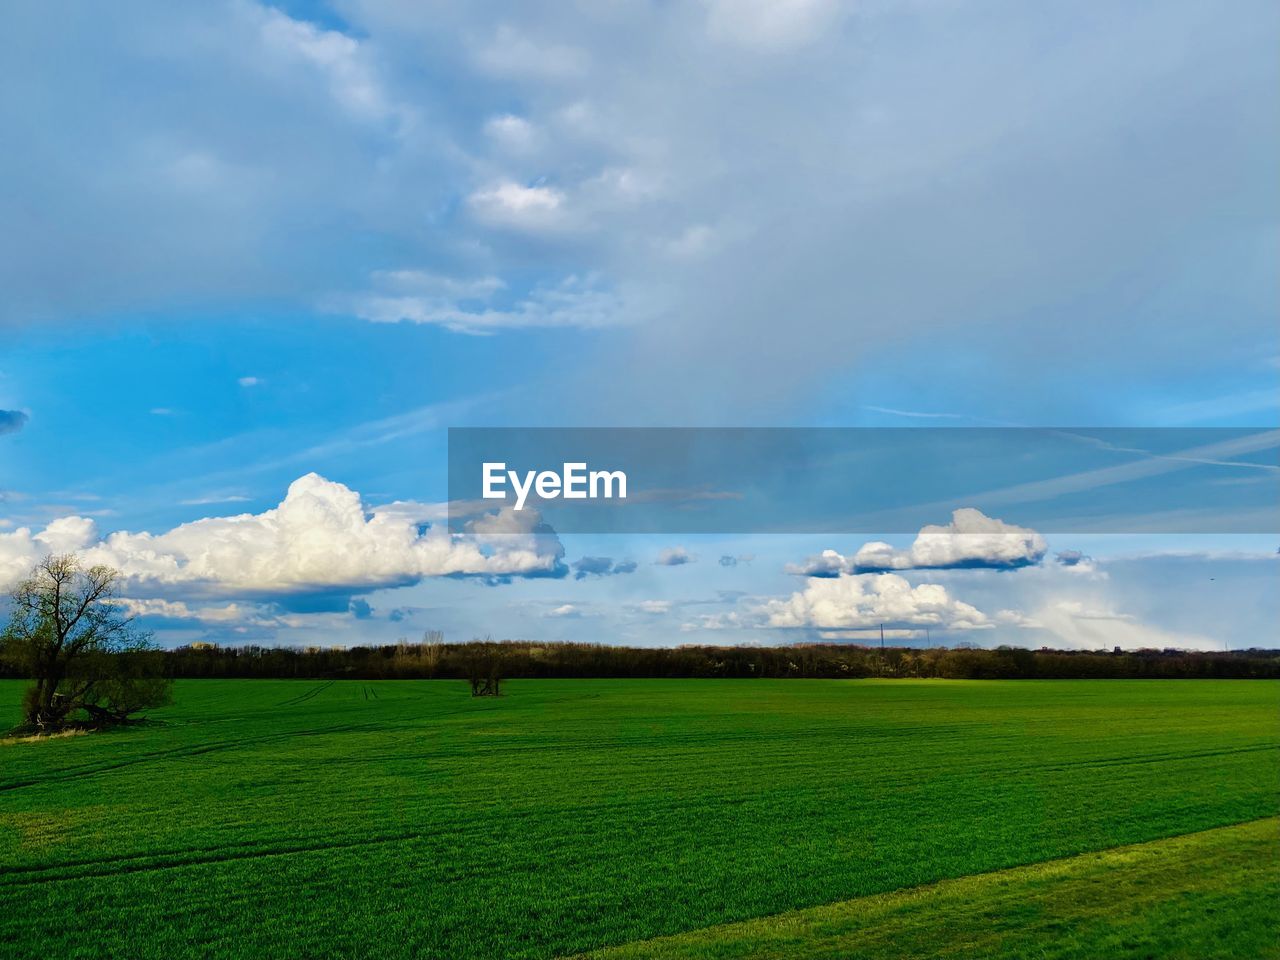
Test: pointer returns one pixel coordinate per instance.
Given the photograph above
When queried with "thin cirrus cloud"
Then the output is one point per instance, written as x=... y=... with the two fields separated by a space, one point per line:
x=475 y=307
x=971 y=540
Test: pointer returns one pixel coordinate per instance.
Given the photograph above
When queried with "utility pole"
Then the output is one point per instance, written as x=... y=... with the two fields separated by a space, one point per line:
x=882 y=638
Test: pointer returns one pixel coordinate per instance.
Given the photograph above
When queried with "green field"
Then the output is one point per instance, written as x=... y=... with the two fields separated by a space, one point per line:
x=405 y=819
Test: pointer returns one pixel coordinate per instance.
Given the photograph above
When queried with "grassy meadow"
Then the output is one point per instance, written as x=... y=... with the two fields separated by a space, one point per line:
x=406 y=819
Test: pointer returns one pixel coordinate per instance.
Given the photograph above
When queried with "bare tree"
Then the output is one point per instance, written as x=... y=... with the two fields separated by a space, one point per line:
x=69 y=634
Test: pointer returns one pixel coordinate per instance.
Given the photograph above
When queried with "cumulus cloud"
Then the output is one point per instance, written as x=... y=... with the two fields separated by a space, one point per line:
x=674 y=557
x=971 y=540
x=729 y=560
x=601 y=567
x=158 y=609
x=11 y=421
x=868 y=600
x=320 y=537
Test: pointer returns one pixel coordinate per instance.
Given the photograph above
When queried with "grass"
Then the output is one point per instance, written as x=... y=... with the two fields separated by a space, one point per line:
x=1197 y=897
x=405 y=819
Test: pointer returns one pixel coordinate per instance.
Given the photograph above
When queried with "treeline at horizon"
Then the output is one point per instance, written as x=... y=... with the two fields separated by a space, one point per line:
x=436 y=660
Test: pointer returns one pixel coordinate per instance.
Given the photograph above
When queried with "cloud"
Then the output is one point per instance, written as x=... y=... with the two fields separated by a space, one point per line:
x=1076 y=562
x=601 y=567
x=11 y=421
x=971 y=540
x=653 y=607
x=321 y=537
x=674 y=557
x=204 y=202
x=178 y=610
x=937 y=218
x=341 y=60
x=564 y=611
x=1085 y=625
x=249 y=381
x=511 y=132
x=515 y=53
x=469 y=307
x=868 y=600
x=511 y=204
x=769 y=25
x=728 y=560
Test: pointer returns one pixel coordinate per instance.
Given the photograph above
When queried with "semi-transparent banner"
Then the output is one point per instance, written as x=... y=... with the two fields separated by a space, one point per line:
x=881 y=480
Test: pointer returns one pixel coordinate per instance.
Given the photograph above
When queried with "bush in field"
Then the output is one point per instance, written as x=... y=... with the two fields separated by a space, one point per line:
x=484 y=668
x=67 y=632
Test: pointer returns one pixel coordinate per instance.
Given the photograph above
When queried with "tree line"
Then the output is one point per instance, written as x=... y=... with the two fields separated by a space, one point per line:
x=68 y=633
x=434 y=659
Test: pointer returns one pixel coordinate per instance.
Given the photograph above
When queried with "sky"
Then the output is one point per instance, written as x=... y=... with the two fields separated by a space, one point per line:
x=255 y=260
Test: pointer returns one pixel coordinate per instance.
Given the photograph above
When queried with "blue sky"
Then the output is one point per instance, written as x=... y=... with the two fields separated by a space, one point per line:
x=246 y=243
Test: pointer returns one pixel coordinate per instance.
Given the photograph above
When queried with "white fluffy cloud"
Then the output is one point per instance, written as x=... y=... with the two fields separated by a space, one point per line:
x=321 y=536
x=971 y=539
x=868 y=600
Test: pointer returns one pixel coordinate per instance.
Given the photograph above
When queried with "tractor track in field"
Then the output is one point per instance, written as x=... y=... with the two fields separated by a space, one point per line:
x=127 y=864
x=477 y=749
x=75 y=773
x=220 y=746
x=124 y=864
x=308 y=695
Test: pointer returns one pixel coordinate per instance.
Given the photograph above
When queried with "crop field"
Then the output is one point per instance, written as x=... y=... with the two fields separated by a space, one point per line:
x=652 y=818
